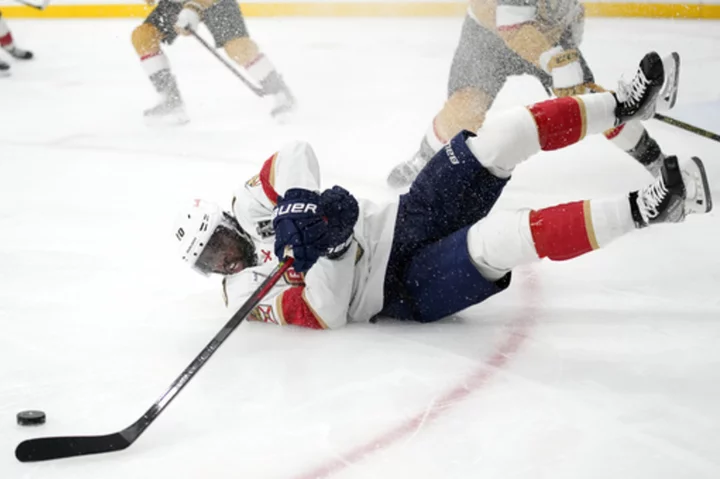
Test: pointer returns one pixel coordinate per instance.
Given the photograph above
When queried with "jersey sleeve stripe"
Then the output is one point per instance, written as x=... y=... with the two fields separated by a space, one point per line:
x=267 y=179
x=295 y=310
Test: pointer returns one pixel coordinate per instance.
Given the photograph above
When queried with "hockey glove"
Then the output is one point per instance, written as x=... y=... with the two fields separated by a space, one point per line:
x=189 y=18
x=299 y=224
x=341 y=211
x=566 y=71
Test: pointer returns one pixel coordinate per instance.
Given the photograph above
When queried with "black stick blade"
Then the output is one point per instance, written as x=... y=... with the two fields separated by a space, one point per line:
x=46 y=448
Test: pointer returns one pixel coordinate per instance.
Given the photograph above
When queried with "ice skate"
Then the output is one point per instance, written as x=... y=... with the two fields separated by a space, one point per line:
x=4 y=69
x=406 y=172
x=637 y=100
x=171 y=109
x=678 y=191
x=19 y=53
x=168 y=111
x=283 y=105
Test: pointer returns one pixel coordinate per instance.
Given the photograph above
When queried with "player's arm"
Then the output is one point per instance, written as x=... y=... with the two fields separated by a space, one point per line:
x=294 y=166
x=324 y=300
x=318 y=228
x=189 y=17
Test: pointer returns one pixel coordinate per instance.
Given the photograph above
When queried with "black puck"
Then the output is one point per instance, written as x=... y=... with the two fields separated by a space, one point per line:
x=31 y=418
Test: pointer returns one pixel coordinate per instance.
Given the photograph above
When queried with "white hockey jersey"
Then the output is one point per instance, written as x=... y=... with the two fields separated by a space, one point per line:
x=332 y=292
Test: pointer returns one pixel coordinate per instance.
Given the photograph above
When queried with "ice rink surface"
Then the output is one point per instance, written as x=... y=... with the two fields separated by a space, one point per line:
x=605 y=366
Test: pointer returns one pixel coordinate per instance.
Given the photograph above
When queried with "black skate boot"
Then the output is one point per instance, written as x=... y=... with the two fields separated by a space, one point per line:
x=405 y=173
x=171 y=108
x=19 y=53
x=637 y=100
x=4 y=69
x=677 y=192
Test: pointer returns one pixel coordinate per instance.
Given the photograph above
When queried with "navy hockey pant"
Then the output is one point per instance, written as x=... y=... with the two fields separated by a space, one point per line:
x=430 y=274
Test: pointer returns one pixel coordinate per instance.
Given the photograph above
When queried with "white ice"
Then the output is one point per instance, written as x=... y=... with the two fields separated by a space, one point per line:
x=603 y=367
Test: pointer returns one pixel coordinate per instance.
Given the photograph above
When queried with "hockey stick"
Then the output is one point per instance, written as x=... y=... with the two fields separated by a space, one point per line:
x=256 y=90
x=687 y=127
x=45 y=448
x=42 y=6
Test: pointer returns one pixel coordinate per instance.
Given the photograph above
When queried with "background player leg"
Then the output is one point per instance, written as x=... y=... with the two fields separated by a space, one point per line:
x=146 y=40
x=225 y=21
x=8 y=44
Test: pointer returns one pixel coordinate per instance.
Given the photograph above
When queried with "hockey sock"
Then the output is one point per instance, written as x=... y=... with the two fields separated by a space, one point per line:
x=432 y=139
x=566 y=231
x=634 y=139
x=6 y=39
x=564 y=121
x=157 y=67
x=506 y=239
x=263 y=72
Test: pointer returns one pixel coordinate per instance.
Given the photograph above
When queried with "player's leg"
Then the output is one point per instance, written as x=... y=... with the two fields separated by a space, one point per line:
x=8 y=43
x=515 y=135
x=475 y=263
x=225 y=21
x=481 y=64
x=146 y=38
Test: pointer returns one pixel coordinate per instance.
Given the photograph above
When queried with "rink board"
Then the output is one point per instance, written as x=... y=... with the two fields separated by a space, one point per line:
x=77 y=9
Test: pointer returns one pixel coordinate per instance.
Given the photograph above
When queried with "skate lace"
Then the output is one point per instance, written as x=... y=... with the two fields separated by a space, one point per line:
x=632 y=92
x=652 y=197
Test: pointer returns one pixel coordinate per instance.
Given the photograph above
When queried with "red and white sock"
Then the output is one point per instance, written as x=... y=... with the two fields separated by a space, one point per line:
x=626 y=136
x=511 y=137
x=154 y=63
x=506 y=239
x=566 y=231
x=260 y=68
x=6 y=39
x=564 y=121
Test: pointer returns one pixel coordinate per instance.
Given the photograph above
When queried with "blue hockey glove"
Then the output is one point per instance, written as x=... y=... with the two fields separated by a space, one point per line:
x=341 y=212
x=299 y=224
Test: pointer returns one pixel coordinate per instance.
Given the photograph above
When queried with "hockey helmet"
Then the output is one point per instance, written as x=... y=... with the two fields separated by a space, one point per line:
x=212 y=241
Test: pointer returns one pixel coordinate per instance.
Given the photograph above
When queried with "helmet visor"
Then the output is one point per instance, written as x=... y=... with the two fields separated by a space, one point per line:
x=224 y=253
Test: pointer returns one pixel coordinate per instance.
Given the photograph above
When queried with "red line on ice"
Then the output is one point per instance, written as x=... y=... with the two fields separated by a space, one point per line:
x=519 y=329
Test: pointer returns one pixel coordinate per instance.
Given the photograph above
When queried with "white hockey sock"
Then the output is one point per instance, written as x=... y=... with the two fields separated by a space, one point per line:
x=505 y=140
x=610 y=218
x=6 y=39
x=260 y=68
x=628 y=135
x=433 y=139
x=506 y=239
x=155 y=63
x=599 y=111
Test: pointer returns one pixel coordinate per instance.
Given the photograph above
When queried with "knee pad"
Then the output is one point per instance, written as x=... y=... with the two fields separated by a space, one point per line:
x=464 y=110
x=242 y=49
x=146 y=39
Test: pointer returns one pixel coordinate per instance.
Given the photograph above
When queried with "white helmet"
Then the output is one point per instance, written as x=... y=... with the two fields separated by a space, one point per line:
x=212 y=241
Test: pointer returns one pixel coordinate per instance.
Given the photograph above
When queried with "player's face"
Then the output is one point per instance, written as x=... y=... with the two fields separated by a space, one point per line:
x=223 y=253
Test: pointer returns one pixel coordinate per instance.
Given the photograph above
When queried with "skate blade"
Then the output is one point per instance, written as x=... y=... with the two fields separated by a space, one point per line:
x=669 y=91
x=705 y=205
x=171 y=119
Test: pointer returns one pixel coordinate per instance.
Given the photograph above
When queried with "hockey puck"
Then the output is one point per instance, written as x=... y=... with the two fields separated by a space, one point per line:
x=31 y=418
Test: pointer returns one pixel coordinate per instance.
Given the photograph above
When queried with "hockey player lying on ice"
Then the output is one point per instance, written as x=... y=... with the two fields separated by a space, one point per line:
x=435 y=251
